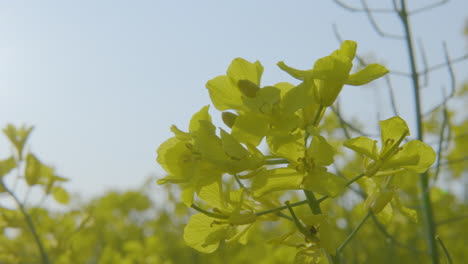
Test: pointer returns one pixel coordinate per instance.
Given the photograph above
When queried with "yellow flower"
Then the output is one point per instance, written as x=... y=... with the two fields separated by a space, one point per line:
x=392 y=158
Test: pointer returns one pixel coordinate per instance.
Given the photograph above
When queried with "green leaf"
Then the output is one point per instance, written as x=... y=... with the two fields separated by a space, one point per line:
x=364 y=146
x=60 y=195
x=6 y=166
x=35 y=170
x=202 y=235
x=276 y=180
x=18 y=137
x=366 y=75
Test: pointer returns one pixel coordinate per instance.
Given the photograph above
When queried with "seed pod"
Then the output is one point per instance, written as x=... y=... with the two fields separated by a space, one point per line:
x=248 y=88
x=229 y=118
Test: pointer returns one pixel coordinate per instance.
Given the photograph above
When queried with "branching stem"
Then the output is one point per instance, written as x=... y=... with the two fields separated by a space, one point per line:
x=424 y=177
x=32 y=228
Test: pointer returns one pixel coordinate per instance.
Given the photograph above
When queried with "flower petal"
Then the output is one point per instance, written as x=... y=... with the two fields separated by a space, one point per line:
x=224 y=93
x=199 y=116
x=364 y=146
x=298 y=74
x=241 y=69
x=347 y=49
x=324 y=183
x=276 y=180
x=393 y=129
x=250 y=128
x=426 y=156
x=202 y=235
x=321 y=151
x=332 y=67
x=366 y=75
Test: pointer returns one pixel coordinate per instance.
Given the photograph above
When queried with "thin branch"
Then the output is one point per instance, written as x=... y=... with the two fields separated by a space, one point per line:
x=444 y=248
x=280 y=208
x=276 y=161
x=452 y=219
x=210 y=214
x=392 y=95
x=393 y=240
x=342 y=121
x=430 y=228
x=387 y=78
x=396 y=9
x=375 y=25
x=442 y=65
x=454 y=161
x=441 y=141
x=450 y=69
x=351 y=236
x=399 y=73
x=425 y=64
x=342 y=124
x=323 y=198
x=428 y=7
x=313 y=203
x=32 y=228
x=356 y=9
x=241 y=185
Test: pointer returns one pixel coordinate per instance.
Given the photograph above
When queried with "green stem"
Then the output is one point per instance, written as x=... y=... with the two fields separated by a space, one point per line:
x=277 y=209
x=276 y=161
x=424 y=177
x=444 y=248
x=210 y=214
x=323 y=198
x=239 y=181
x=317 y=116
x=298 y=223
x=351 y=236
x=313 y=203
x=32 y=228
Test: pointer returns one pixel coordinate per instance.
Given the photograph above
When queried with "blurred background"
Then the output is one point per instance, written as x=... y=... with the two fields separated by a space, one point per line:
x=102 y=81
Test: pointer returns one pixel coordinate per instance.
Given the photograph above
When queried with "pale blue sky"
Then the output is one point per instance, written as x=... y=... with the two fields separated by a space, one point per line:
x=102 y=81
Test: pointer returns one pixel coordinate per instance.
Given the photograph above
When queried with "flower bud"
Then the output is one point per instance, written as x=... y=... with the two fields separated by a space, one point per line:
x=248 y=88
x=229 y=118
